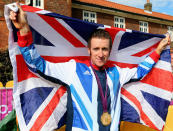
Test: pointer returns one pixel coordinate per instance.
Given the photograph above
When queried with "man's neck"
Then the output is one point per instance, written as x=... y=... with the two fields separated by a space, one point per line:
x=98 y=68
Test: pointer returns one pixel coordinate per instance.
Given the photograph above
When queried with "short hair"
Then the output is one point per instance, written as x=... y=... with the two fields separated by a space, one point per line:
x=100 y=33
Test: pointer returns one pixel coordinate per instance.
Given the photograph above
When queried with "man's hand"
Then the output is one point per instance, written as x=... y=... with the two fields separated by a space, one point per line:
x=163 y=43
x=19 y=20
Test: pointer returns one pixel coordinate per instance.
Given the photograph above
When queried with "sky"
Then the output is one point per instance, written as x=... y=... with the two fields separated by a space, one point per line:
x=162 y=6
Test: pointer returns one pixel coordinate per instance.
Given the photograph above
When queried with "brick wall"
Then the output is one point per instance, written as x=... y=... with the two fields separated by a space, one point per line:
x=3 y=35
x=105 y=19
x=3 y=27
x=132 y=24
x=157 y=28
x=1 y=9
x=101 y=17
x=77 y=13
x=62 y=7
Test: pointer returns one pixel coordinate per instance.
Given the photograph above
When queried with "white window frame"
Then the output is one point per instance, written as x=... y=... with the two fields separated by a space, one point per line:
x=170 y=28
x=89 y=18
x=41 y=6
x=119 y=23
x=143 y=26
x=27 y=2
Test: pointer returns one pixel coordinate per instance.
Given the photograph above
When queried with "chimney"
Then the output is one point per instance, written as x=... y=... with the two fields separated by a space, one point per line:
x=148 y=6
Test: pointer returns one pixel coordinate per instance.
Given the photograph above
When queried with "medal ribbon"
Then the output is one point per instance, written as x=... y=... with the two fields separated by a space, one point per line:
x=103 y=98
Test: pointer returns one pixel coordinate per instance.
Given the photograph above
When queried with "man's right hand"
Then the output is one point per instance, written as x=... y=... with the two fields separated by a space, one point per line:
x=20 y=21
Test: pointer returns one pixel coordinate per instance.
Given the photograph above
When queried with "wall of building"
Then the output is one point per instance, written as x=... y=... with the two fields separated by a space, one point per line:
x=62 y=7
x=101 y=17
x=132 y=24
x=154 y=28
x=3 y=27
x=105 y=19
x=3 y=35
x=1 y=9
x=77 y=13
x=157 y=28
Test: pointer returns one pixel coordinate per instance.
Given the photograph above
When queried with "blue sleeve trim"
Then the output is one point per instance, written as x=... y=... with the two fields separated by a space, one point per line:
x=141 y=72
x=146 y=64
x=32 y=58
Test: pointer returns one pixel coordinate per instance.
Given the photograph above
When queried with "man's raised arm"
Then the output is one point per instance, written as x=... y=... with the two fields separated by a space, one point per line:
x=144 y=67
x=32 y=58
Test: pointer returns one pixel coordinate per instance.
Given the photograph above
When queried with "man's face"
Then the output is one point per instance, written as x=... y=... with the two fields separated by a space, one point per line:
x=99 y=51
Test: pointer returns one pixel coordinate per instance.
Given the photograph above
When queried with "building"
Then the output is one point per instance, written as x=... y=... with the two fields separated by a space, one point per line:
x=110 y=13
x=122 y=16
x=102 y=12
x=3 y=27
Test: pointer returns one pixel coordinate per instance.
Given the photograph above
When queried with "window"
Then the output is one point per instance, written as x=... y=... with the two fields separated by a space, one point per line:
x=38 y=3
x=143 y=26
x=119 y=22
x=35 y=3
x=170 y=30
x=89 y=16
x=27 y=2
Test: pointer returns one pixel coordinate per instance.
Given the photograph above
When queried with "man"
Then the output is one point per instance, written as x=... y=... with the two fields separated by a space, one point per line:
x=94 y=85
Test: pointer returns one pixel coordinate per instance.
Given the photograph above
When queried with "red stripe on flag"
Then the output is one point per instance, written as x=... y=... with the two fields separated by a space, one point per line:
x=79 y=59
x=143 y=116
x=122 y=65
x=30 y=8
x=56 y=59
x=23 y=72
x=113 y=31
x=146 y=51
x=157 y=78
x=44 y=116
x=85 y=59
x=62 y=30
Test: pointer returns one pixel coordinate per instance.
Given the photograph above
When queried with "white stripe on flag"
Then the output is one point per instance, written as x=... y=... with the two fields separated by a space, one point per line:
x=72 y=32
x=56 y=115
x=41 y=108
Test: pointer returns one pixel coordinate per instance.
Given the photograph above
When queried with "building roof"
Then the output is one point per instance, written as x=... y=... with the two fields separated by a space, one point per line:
x=114 y=5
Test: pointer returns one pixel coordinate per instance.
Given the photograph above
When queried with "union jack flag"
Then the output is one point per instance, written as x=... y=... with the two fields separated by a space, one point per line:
x=41 y=106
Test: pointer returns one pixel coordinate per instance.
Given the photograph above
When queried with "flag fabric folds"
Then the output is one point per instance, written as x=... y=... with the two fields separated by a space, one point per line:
x=41 y=104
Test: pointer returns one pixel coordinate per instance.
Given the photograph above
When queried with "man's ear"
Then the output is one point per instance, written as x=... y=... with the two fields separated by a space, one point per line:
x=89 y=51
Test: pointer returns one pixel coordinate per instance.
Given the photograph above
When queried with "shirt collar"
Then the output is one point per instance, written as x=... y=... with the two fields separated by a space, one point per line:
x=98 y=68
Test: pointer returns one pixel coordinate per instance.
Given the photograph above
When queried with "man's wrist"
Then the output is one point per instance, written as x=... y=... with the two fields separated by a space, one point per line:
x=155 y=56
x=158 y=50
x=24 y=30
x=24 y=40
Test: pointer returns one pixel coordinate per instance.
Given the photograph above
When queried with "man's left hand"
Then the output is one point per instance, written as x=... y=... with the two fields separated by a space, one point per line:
x=163 y=43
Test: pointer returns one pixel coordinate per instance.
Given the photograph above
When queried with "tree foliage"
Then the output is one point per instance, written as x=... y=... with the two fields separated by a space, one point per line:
x=5 y=67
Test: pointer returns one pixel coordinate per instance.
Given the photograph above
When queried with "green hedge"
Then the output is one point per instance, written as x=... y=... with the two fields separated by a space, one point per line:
x=5 y=67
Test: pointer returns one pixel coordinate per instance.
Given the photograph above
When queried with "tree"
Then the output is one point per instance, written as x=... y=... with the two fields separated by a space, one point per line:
x=5 y=67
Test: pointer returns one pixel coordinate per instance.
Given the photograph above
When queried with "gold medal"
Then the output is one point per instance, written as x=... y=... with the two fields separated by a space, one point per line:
x=106 y=119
